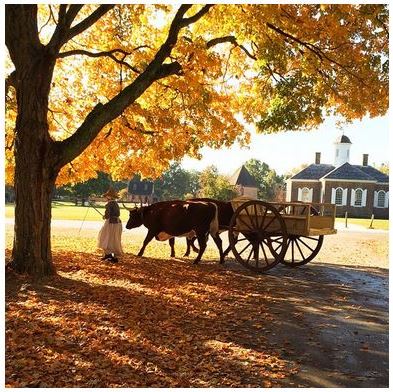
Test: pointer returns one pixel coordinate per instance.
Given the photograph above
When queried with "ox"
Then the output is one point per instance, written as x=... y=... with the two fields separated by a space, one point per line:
x=168 y=219
x=225 y=212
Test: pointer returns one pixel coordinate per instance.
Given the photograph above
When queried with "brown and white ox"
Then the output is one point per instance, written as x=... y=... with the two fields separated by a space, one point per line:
x=167 y=219
x=225 y=212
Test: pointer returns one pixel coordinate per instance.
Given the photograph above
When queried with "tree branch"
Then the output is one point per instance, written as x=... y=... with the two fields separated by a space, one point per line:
x=51 y=16
x=89 y=21
x=103 y=114
x=143 y=132
x=109 y=53
x=64 y=32
x=232 y=40
x=62 y=13
x=307 y=45
x=314 y=49
x=63 y=25
x=72 y=13
x=204 y=10
x=169 y=69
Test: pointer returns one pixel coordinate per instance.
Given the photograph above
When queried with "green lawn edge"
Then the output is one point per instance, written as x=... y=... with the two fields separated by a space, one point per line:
x=69 y=211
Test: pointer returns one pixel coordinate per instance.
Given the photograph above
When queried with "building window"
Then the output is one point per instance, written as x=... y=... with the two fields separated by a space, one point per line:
x=306 y=194
x=358 y=197
x=337 y=153
x=339 y=196
x=145 y=187
x=381 y=199
x=134 y=187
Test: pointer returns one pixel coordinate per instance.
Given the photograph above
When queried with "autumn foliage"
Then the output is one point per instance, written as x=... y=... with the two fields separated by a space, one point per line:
x=129 y=88
x=283 y=66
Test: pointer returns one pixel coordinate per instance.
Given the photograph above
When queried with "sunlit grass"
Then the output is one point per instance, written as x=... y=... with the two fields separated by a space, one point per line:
x=69 y=211
x=382 y=224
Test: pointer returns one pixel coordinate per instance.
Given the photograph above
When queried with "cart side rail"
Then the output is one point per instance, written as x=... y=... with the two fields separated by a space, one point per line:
x=308 y=218
x=300 y=218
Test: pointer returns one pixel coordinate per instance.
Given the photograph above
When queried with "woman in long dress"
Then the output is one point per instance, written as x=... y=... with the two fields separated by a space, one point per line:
x=109 y=237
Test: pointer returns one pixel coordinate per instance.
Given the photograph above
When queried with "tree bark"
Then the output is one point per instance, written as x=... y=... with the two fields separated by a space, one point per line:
x=35 y=168
x=32 y=247
x=35 y=175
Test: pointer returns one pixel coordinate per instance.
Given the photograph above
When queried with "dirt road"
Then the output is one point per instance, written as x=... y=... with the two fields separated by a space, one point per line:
x=329 y=317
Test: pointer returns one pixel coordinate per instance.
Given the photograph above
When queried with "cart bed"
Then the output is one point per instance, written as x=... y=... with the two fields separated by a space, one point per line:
x=300 y=218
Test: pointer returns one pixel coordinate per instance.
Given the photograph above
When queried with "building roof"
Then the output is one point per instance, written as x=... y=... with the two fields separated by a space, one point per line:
x=343 y=139
x=138 y=187
x=313 y=172
x=343 y=172
x=243 y=177
x=348 y=172
x=373 y=172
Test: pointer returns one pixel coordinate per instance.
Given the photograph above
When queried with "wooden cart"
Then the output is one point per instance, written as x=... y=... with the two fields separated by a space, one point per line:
x=263 y=234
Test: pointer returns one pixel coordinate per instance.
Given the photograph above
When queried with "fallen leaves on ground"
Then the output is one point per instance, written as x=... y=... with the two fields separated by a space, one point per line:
x=144 y=322
x=161 y=322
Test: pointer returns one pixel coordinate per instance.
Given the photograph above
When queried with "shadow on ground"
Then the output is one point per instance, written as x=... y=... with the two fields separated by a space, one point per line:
x=163 y=323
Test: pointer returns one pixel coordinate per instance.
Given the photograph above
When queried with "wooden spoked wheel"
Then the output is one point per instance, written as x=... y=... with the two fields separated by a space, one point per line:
x=250 y=233
x=300 y=250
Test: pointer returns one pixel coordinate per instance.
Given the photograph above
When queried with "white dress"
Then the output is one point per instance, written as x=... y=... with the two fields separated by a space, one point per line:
x=109 y=238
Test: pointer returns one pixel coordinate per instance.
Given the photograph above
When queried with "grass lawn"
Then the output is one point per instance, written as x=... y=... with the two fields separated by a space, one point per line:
x=382 y=224
x=69 y=211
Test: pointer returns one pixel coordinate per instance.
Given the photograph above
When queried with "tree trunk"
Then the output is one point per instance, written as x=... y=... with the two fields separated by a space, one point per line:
x=32 y=249
x=35 y=172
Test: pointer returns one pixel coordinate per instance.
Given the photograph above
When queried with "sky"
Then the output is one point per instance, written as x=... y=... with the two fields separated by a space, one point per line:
x=285 y=151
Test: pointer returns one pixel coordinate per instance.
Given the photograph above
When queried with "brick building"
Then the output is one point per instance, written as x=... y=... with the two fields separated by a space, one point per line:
x=360 y=190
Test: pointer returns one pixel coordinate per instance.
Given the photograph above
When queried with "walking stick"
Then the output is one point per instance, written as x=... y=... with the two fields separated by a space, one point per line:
x=91 y=204
x=94 y=208
x=84 y=220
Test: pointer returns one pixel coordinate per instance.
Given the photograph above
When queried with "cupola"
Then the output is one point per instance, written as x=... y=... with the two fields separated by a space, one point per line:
x=341 y=151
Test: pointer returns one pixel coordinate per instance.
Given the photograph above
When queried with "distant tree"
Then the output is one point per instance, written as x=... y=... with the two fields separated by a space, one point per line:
x=215 y=185
x=176 y=183
x=295 y=170
x=267 y=179
x=94 y=186
x=384 y=168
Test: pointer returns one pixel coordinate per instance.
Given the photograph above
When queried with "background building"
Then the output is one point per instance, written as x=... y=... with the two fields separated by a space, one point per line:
x=360 y=190
x=244 y=183
x=140 y=191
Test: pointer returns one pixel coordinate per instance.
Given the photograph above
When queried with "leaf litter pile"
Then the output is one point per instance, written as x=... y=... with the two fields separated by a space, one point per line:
x=145 y=322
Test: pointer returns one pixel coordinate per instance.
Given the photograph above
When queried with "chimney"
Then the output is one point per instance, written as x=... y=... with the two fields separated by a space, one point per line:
x=365 y=159
x=317 y=158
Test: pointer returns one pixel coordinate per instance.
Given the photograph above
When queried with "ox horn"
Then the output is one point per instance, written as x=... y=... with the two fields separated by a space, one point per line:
x=128 y=209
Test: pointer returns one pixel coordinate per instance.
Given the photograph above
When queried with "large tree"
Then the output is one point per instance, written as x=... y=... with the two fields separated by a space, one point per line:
x=129 y=88
x=215 y=185
x=267 y=179
x=93 y=186
x=176 y=183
